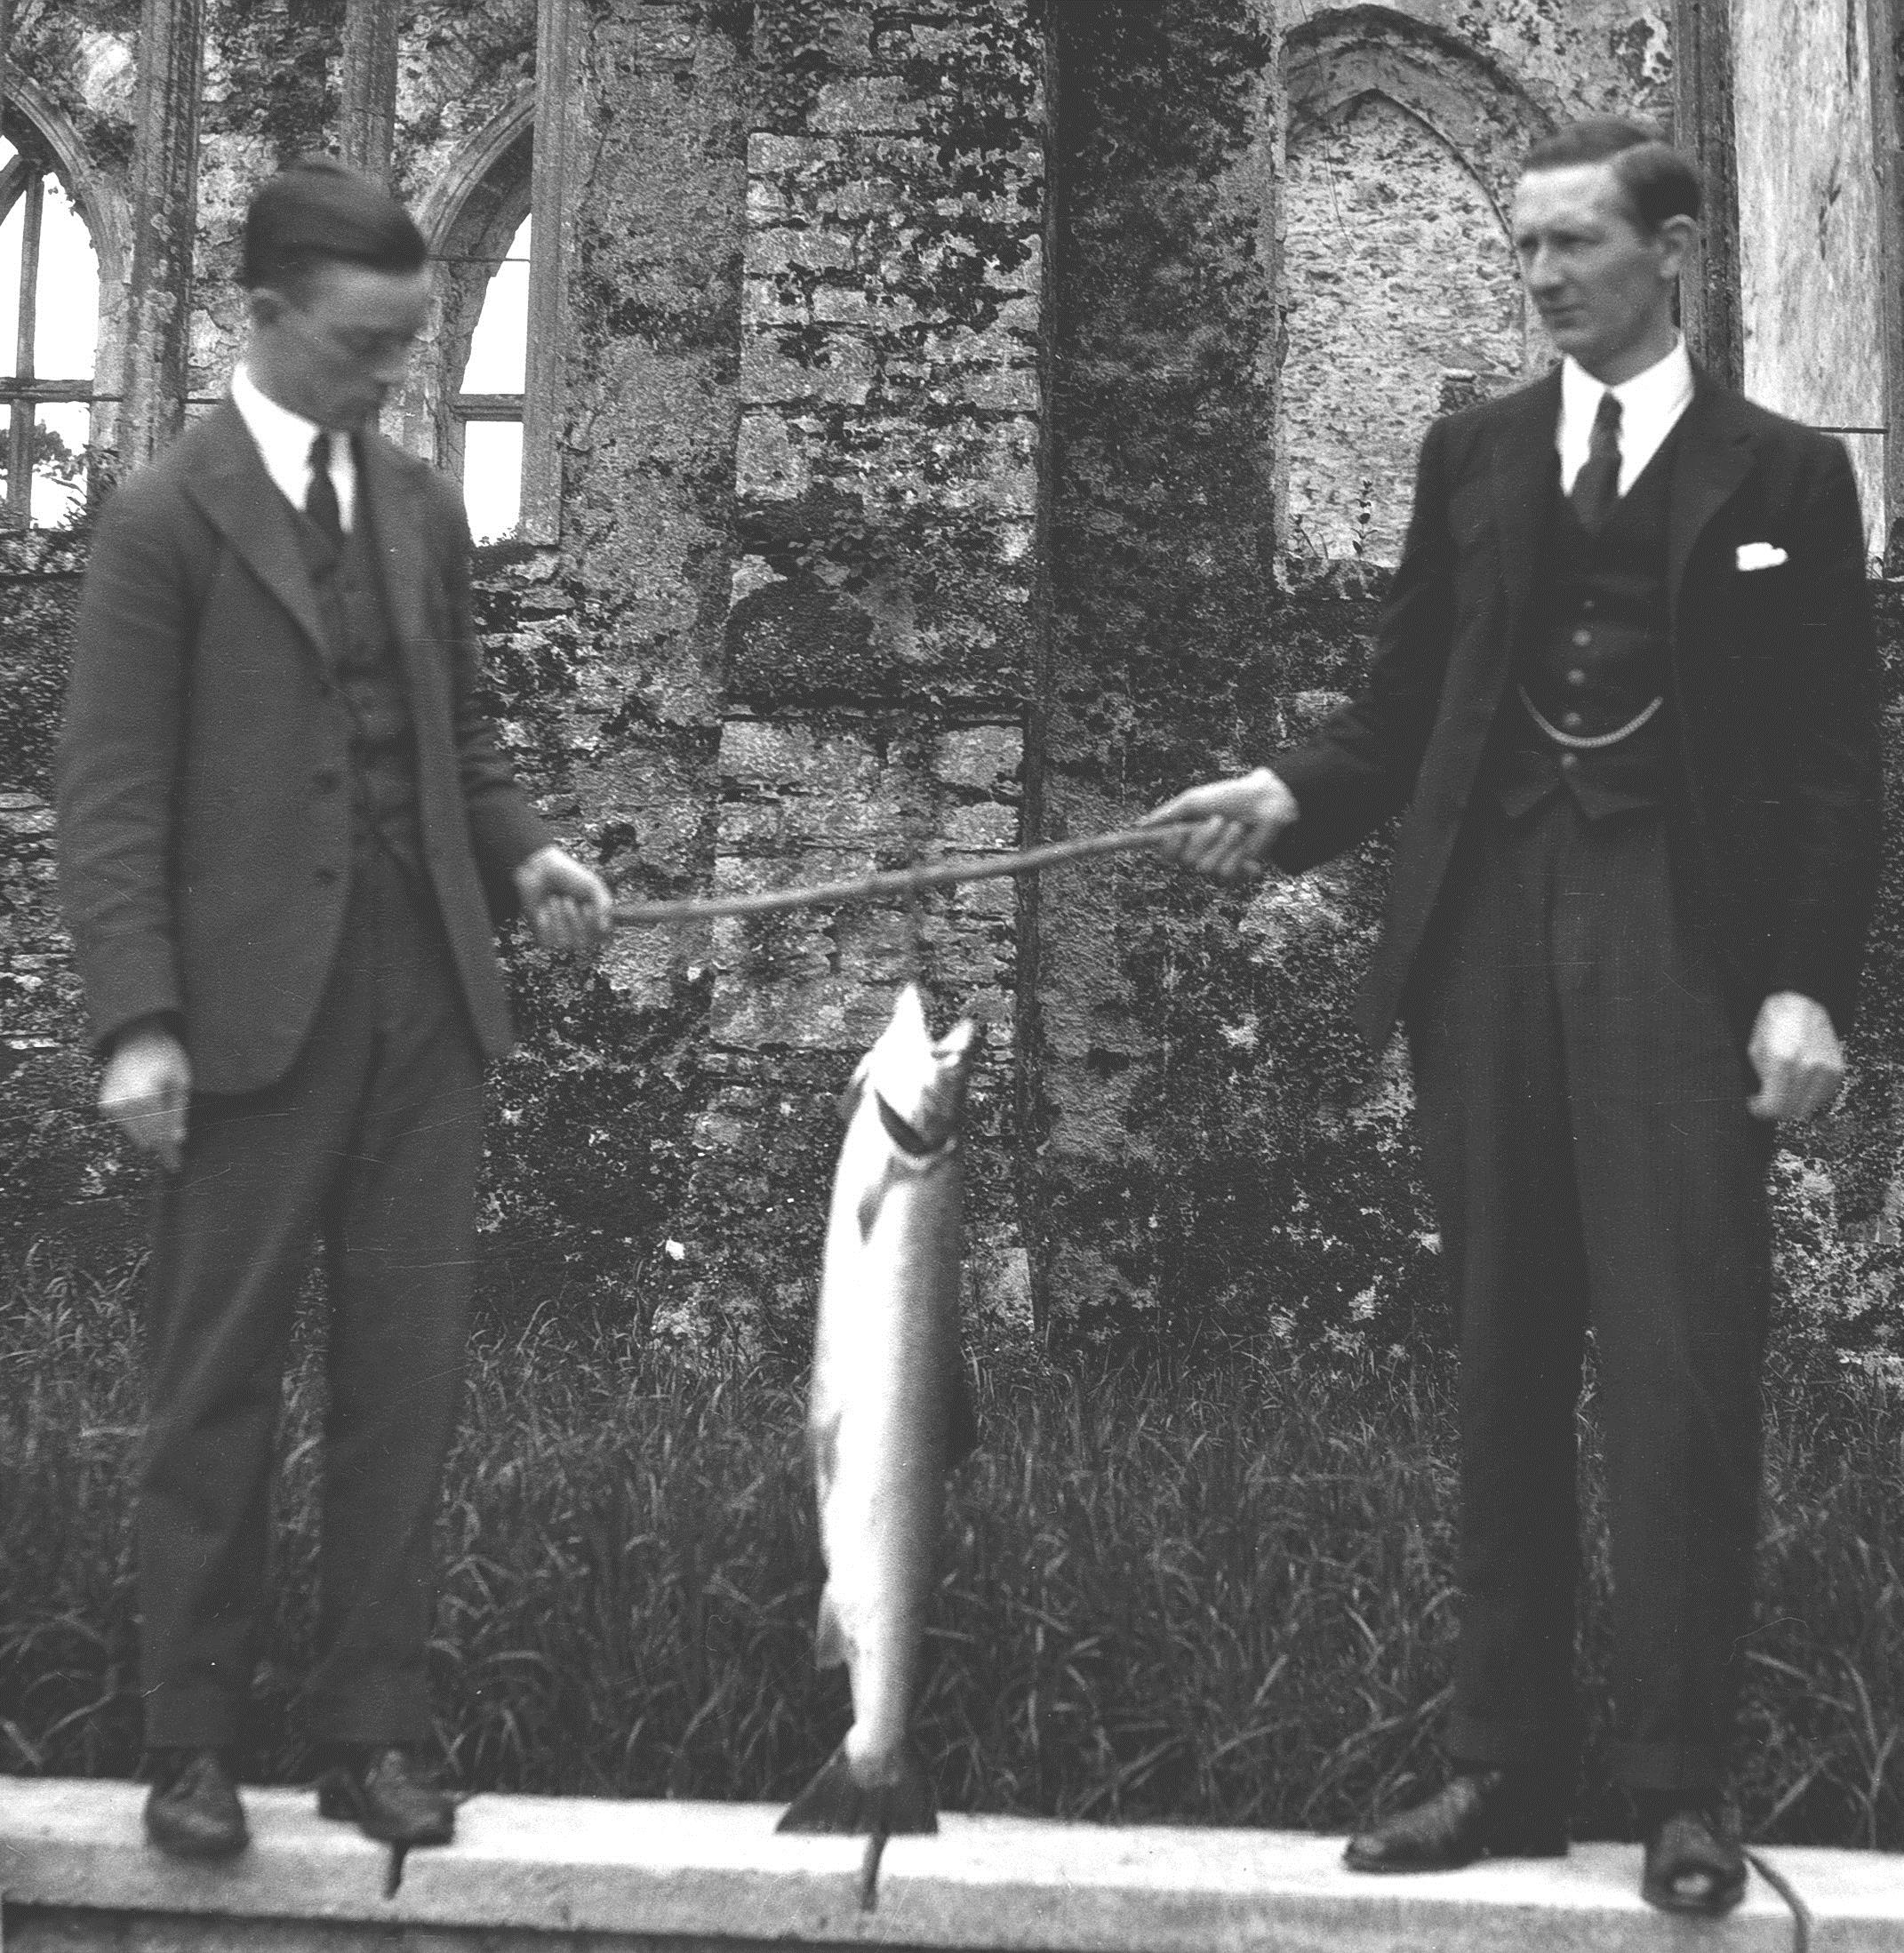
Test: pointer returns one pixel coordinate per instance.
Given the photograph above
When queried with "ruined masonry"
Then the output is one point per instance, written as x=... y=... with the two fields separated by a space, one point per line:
x=945 y=427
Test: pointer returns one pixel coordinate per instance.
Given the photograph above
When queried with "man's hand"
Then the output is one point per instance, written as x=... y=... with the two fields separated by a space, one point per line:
x=1238 y=823
x=568 y=906
x=145 y=1092
x=1797 y=1056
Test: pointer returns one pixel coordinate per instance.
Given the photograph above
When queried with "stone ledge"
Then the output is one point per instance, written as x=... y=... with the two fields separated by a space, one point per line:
x=525 y=1870
x=1853 y=1900
x=73 y=1842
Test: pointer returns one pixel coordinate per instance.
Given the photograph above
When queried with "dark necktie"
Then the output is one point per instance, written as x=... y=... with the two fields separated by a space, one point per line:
x=1596 y=486
x=320 y=499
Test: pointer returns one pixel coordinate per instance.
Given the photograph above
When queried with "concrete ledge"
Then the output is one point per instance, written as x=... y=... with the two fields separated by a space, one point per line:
x=76 y=1842
x=535 y=1872
x=1854 y=1901
x=1007 y=1883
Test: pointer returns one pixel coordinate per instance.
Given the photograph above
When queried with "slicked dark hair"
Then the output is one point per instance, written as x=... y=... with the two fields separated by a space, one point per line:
x=1659 y=181
x=319 y=211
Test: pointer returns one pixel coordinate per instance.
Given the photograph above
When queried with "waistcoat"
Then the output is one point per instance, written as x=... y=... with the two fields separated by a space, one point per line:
x=1595 y=656
x=367 y=667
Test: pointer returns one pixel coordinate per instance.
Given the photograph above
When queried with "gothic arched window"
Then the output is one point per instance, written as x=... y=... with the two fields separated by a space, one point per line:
x=486 y=408
x=49 y=330
x=481 y=403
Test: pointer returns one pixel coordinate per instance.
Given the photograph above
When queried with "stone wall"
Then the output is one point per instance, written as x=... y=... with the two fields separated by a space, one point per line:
x=880 y=638
x=1811 y=210
x=1406 y=129
x=979 y=420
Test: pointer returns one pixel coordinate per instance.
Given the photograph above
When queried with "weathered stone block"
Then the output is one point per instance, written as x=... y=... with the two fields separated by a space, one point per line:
x=869 y=103
x=983 y=757
x=786 y=155
x=968 y=464
x=985 y=825
x=874 y=308
x=804 y=247
x=1010 y=389
x=777 y=367
x=769 y=464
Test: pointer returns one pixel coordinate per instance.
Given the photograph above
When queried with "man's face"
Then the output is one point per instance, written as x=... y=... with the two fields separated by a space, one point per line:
x=335 y=349
x=1602 y=284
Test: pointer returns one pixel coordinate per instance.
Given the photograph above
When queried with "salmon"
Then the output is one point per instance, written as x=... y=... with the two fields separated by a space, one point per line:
x=888 y=1415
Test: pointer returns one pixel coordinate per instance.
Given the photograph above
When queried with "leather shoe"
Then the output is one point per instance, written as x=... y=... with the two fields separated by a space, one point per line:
x=1695 y=1860
x=388 y=1793
x=192 y=1810
x=1480 y=1813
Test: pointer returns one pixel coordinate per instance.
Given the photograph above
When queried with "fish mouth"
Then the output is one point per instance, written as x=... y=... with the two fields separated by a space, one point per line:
x=903 y=1133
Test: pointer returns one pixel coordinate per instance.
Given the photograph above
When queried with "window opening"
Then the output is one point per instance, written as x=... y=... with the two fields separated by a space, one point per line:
x=488 y=403
x=49 y=329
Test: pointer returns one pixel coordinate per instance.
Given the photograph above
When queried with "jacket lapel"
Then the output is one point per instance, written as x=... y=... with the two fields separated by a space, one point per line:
x=243 y=504
x=391 y=503
x=1522 y=465
x=1716 y=455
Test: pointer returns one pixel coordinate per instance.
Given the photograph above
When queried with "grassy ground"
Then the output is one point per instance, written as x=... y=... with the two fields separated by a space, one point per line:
x=1217 y=1599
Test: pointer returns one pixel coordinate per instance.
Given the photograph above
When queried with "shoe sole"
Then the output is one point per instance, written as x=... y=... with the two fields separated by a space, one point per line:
x=1397 y=1867
x=201 y=1851
x=338 y=1799
x=1668 y=1900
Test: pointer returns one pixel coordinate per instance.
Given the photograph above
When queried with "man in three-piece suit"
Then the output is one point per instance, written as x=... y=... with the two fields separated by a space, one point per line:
x=287 y=836
x=1624 y=698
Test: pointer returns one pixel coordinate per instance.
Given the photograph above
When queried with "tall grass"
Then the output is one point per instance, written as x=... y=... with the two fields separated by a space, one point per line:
x=1224 y=1598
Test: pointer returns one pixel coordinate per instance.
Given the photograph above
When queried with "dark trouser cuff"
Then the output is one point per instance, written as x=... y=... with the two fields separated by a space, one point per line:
x=374 y=1719
x=192 y=1718
x=1540 y=1751
x=1687 y=1767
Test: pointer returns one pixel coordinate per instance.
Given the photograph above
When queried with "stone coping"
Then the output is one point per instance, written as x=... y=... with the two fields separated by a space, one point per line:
x=720 y=1872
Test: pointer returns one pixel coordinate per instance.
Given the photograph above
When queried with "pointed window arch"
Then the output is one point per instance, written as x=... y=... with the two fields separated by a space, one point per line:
x=49 y=339
x=486 y=410
x=1404 y=143
x=488 y=393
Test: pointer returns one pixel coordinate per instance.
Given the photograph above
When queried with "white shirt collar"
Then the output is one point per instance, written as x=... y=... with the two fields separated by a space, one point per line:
x=284 y=442
x=1651 y=403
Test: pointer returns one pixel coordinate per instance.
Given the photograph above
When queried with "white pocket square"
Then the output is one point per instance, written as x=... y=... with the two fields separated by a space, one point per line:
x=1759 y=555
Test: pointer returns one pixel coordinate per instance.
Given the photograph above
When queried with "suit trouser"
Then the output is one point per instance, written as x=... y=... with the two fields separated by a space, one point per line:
x=1582 y=1095
x=372 y=1142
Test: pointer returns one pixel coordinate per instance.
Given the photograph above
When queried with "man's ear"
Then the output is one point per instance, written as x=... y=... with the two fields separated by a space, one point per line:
x=1679 y=240
x=266 y=305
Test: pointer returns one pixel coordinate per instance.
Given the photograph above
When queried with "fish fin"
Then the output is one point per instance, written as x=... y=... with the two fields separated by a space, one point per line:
x=872 y=1200
x=830 y=1644
x=853 y=1091
x=836 y=1801
x=823 y=1444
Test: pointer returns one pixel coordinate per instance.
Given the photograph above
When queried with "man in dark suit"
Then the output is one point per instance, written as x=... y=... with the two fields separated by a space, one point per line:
x=1624 y=695
x=286 y=835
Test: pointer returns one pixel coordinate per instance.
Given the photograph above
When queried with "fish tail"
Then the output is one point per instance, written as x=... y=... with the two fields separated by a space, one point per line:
x=836 y=1800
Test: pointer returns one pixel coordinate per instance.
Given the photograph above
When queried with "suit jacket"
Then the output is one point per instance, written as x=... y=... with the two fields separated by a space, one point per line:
x=205 y=781
x=1773 y=686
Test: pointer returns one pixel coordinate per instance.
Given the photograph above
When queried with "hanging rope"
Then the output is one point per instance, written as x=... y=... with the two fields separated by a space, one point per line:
x=903 y=881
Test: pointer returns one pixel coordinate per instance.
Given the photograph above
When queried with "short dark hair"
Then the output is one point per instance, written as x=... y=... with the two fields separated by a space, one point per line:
x=1658 y=181
x=319 y=211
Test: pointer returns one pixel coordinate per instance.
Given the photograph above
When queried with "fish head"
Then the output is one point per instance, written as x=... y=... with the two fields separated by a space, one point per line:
x=920 y=1081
